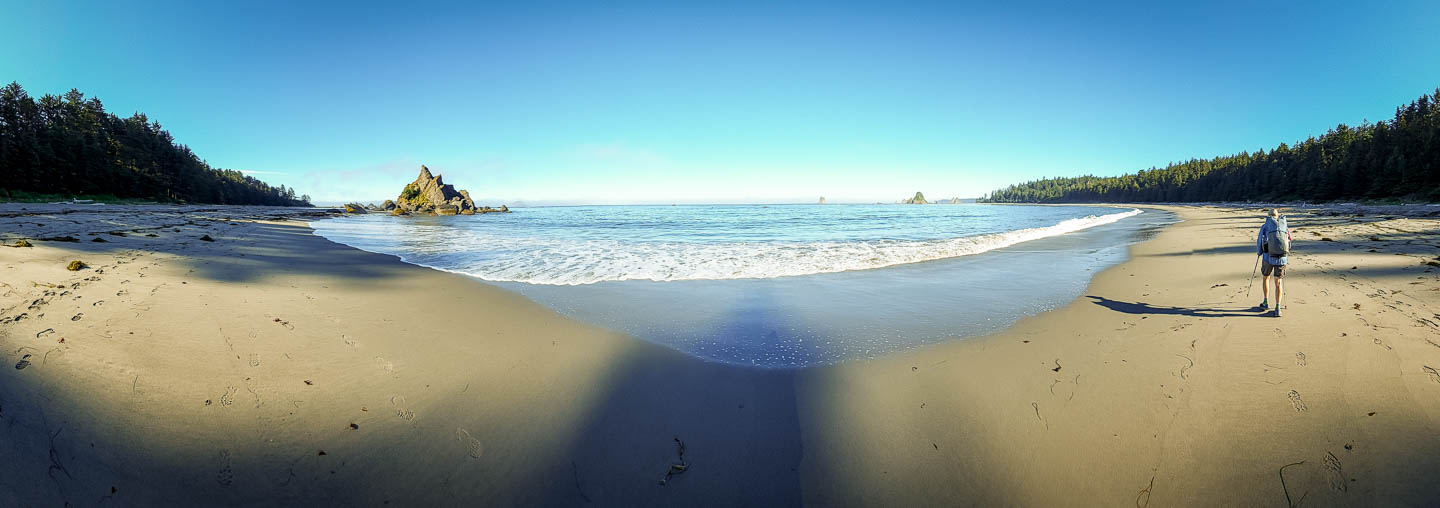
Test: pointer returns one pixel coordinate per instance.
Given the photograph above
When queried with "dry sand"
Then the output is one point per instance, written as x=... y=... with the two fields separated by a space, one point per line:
x=271 y=366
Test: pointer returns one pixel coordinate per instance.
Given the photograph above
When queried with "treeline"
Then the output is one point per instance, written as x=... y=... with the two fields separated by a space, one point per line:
x=1397 y=158
x=69 y=145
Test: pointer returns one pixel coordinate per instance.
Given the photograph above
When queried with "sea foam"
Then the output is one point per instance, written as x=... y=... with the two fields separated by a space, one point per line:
x=574 y=261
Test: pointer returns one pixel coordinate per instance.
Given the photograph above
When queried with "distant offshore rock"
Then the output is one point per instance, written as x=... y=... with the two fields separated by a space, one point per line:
x=822 y=200
x=428 y=194
x=919 y=199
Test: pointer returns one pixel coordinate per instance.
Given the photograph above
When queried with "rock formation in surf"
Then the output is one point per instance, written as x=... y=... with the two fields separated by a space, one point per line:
x=430 y=194
x=919 y=199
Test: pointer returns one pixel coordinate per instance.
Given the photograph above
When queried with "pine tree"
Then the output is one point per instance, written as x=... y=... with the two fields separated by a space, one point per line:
x=69 y=145
x=1396 y=158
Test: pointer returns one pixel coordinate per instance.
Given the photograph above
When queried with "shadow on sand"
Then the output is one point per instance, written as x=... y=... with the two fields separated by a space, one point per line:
x=740 y=425
x=1145 y=308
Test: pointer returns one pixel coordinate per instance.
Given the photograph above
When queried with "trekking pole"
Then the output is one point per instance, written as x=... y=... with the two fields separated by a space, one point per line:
x=1252 y=276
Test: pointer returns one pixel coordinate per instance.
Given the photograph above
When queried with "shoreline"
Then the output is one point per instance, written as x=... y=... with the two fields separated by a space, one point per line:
x=464 y=392
x=817 y=318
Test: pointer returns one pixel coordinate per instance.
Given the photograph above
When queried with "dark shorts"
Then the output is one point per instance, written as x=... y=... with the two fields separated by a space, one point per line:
x=1266 y=268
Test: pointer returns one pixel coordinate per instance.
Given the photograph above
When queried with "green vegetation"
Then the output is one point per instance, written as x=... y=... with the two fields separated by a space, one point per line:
x=1391 y=160
x=57 y=148
x=23 y=243
x=76 y=266
x=410 y=192
x=411 y=197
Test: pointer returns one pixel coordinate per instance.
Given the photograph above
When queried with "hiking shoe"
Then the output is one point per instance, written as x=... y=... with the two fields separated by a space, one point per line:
x=1265 y=305
x=1277 y=311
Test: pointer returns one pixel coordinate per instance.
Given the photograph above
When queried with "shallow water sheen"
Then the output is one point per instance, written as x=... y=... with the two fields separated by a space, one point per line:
x=779 y=285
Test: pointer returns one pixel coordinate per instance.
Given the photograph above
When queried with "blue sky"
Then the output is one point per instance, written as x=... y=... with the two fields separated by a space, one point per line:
x=750 y=102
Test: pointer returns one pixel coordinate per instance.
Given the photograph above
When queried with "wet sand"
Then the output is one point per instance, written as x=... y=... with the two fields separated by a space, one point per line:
x=271 y=366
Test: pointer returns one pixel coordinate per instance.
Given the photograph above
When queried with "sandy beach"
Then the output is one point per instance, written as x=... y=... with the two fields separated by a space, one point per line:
x=267 y=365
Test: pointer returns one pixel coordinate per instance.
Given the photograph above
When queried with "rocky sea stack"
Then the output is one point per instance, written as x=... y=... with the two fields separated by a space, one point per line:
x=919 y=199
x=429 y=194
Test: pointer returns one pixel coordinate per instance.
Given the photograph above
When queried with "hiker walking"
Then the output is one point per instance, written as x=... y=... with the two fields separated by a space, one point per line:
x=1273 y=246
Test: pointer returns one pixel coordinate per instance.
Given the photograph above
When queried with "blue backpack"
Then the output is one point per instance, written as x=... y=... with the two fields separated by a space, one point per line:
x=1277 y=241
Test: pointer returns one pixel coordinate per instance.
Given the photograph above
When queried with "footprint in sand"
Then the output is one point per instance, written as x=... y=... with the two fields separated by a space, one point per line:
x=348 y=341
x=228 y=399
x=403 y=413
x=78 y=317
x=1300 y=358
x=472 y=445
x=98 y=303
x=226 y=475
x=254 y=359
x=1299 y=404
x=1382 y=344
x=387 y=366
x=1334 y=474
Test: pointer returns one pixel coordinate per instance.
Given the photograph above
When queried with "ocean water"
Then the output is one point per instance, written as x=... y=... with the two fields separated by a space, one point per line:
x=777 y=285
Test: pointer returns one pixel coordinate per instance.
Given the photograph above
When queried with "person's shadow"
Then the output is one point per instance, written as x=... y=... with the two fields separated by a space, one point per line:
x=1145 y=308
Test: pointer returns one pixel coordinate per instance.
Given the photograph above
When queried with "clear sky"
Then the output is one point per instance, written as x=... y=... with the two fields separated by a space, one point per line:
x=765 y=102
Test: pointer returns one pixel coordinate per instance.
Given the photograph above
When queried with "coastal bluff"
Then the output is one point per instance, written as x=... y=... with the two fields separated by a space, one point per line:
x=429 y=194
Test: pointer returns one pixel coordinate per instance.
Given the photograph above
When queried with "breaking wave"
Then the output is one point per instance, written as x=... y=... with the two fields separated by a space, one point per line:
x=503 y=256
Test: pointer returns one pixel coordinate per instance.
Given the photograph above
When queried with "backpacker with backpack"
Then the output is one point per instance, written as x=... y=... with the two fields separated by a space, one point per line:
x=1277 y=241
